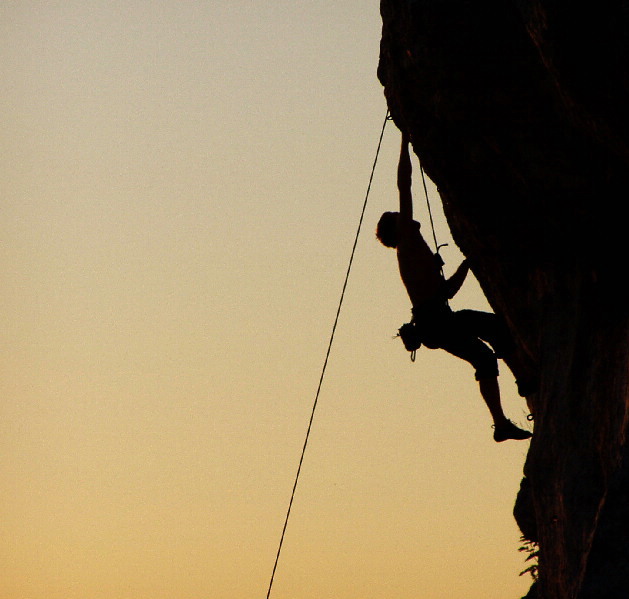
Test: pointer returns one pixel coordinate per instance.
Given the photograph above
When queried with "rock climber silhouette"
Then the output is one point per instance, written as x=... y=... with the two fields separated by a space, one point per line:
x=462 y=333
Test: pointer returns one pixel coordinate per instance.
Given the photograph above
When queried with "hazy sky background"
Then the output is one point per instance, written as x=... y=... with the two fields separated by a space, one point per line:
x=181 y=184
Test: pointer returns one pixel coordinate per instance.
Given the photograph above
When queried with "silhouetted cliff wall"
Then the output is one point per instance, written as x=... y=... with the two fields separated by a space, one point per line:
x=519 y=112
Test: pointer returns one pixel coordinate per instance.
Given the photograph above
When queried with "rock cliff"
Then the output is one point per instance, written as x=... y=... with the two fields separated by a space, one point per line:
x=519 y=112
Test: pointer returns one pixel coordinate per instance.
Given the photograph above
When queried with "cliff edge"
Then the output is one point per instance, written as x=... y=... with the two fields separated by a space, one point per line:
x=518 y=111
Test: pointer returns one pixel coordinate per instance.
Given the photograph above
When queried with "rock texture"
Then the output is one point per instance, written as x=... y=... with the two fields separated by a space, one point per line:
x=519 y=112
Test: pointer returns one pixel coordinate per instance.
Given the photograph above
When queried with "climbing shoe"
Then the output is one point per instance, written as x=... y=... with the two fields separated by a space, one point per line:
x=508 y=430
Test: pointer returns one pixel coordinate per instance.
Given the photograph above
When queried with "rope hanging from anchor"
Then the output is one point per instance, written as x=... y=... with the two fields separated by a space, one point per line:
x=327 y=355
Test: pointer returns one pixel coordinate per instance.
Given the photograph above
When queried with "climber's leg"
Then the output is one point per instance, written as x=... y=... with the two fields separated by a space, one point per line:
x=491 y=329
x=482 y=358
x=503 y=427
x=490 y=391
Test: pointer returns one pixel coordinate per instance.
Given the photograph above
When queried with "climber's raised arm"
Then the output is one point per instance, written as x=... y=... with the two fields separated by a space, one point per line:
x=404 y=180
x=453 y=284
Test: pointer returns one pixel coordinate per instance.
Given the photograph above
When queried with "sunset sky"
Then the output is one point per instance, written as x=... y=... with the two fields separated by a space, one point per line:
x=181 y=184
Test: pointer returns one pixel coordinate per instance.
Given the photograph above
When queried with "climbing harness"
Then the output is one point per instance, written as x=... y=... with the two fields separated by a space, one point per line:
x=327 y=355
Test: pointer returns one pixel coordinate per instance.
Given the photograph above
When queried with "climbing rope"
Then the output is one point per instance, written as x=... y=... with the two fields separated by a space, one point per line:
x=327 y=355
x=432 y=222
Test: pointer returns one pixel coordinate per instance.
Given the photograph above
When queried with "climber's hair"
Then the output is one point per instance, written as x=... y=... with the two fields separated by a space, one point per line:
x=386 y=231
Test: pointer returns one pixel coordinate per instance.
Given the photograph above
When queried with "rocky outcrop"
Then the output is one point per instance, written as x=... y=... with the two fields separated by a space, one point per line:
x=518 y=111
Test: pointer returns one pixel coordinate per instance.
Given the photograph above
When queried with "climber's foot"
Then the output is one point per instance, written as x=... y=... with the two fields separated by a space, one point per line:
x=508 y=430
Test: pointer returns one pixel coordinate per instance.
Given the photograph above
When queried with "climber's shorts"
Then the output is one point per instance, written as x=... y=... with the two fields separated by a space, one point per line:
x=465 y=334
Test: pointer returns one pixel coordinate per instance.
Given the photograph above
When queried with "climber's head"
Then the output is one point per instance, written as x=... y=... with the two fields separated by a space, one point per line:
x=386 y=231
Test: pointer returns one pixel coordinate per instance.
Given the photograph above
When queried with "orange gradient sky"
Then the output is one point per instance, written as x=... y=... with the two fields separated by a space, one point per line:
x=181 y=184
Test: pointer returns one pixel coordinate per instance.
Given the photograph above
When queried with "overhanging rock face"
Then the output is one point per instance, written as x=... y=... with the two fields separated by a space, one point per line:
x=519 y=112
